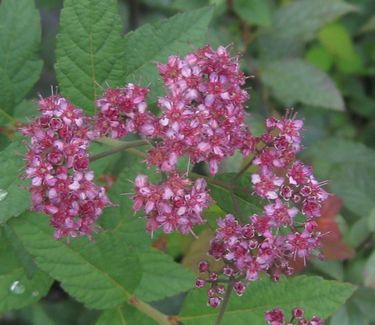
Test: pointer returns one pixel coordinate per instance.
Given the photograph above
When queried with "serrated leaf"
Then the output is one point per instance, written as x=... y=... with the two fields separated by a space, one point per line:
x=315 y=295
x=253 y=12
x=294 y=80
x=89 y=50
x=124 y=315
x=162 y=277
x=14 y=199
x=101 y=274
x=155 y=42
x=17 y=288
x=20 y=65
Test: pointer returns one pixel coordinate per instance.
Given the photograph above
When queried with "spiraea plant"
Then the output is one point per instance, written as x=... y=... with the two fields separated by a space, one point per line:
x=124 y=163
x=202 y=117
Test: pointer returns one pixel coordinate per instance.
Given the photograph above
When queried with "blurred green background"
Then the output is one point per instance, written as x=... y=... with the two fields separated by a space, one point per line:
x=317 y=56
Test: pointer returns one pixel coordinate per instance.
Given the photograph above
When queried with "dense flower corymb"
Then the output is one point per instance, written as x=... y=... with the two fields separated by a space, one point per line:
x=176 y=204
x=269 y=242
x=202 y=115
x=57 y=163
x=124 y=110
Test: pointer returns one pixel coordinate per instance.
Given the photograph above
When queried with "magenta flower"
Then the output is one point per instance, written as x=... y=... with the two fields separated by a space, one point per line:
x=270 y=242
x=124 y=110
x=57 y=163
x=202 y=115
x=176 y=204
x=276 y=316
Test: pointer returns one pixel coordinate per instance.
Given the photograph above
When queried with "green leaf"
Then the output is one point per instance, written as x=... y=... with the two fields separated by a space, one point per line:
x=336 y=39
x=17 y=287
x=20 y=36
x=13 y=198
x=162 y=277
x=296 y=23
x=354 y=183
x=371 y=220
x=319 y=57
x=101 y=274
x=124 y=315
x=358 y=233
x=120 y=195
x=294 y=80
x=364 y=299
x=315 y=295
x=155 y=42
x=240 y=201
x=369 y=26
x=89 y=50
x=333 y=269
x=302 y=19
x=350 y=170
x=253 y=12
x=370 y=271
x=349 y=314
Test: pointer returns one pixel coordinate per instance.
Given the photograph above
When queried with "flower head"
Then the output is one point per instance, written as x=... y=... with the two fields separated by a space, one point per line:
x=57 y=163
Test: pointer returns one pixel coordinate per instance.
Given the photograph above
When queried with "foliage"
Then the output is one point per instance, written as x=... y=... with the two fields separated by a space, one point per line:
x=315 y=55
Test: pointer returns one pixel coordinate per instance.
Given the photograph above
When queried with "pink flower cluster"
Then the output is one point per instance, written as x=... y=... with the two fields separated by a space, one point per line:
x=58 y=165
x=276 y=316
x=203 y=112
x=269 y=242
x=281 y=176
x=202 y=117
x=124 y=110
x=175 y=204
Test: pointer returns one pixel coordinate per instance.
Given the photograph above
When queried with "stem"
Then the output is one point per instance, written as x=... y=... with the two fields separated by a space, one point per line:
x=118 y=148
x=150 y=311
x=243 y=169
x=224 y=303
x=9 y=117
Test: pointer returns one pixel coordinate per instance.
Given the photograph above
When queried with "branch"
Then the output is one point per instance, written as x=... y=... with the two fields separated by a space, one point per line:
x=224 y=304
x=150 y=311
x=117 y=148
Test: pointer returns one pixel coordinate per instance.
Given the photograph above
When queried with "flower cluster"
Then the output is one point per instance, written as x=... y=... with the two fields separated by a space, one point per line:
x=124 y=110
x=58 y=165
x=281 y=175
x=277 y=317
x=175 y=204
x=202 y=115
x=270 y=241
